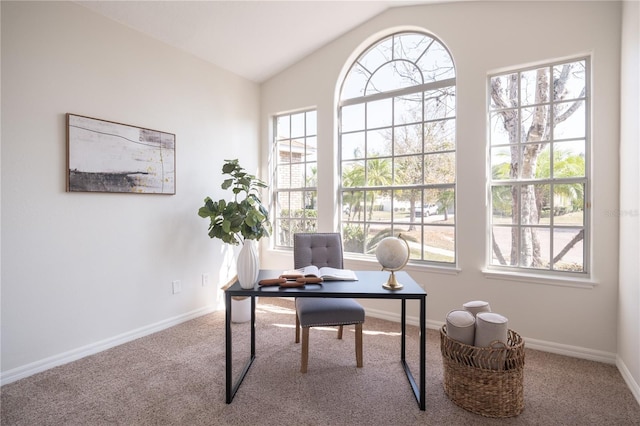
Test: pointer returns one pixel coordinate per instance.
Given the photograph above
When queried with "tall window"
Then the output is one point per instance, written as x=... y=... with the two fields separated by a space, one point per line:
x=539 y=154
x=295 y=175
x=397 y=147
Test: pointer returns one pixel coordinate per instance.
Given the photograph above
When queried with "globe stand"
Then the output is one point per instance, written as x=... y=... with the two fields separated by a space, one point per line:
x=392 y=283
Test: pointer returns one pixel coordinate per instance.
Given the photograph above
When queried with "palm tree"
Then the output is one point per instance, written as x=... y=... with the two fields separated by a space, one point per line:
x=378 y=174
x=566 y=164
x=353 y=177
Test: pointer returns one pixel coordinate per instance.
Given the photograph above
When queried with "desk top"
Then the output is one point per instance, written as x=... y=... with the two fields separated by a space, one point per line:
x=368 y=286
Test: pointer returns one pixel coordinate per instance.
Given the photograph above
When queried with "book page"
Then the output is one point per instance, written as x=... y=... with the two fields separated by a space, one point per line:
x=335 y=274
x=326 y=273
x=307 y=271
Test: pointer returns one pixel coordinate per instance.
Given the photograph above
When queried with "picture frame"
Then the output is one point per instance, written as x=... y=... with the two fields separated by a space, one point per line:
x=106 y=156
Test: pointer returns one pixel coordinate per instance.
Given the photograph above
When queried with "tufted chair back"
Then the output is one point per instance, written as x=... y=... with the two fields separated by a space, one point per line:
x=319 y=249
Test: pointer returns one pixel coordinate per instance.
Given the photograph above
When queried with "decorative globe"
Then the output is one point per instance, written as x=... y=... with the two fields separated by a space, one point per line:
x=392 y=253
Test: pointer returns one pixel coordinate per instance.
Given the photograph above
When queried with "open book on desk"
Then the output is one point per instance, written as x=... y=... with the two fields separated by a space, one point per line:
x=326 y=273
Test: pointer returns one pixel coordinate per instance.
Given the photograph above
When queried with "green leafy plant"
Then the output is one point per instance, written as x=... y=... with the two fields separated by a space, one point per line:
x=244 y=217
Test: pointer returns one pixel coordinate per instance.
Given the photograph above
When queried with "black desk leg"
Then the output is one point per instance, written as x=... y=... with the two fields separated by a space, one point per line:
x=253 y=327
x=403 y=329
x=418 y=388
x=231 y=389
x=227 y=340
x=423 y=355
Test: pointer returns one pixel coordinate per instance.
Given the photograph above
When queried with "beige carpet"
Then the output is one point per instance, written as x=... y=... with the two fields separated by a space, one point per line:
x=176 y=377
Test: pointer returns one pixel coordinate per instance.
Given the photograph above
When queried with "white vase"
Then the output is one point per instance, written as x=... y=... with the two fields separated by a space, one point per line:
x=248 y=265
x=240 y=309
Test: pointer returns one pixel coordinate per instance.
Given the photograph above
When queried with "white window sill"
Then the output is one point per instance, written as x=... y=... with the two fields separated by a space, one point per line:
x=576 y=282
x=365 y=263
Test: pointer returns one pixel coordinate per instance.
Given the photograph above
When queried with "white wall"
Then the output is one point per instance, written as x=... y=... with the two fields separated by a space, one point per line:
x=629 y=295
x=481 y=36
x=83 y=271
x=73 y=279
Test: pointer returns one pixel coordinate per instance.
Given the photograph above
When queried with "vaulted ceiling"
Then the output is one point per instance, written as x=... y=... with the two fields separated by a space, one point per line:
x=254 y=39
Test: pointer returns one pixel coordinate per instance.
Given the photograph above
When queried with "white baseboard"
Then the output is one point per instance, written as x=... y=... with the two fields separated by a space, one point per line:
x=27 y=370
x=541 y=345
x=73 y=355
x=395 y=317
x=573 y=351
x=628 y=378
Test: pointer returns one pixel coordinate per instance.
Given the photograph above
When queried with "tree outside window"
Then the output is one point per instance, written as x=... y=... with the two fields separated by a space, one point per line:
x=539 y=182
x=398 y=148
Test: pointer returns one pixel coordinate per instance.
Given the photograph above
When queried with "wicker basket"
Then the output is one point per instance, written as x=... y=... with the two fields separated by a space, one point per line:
x=485 y=381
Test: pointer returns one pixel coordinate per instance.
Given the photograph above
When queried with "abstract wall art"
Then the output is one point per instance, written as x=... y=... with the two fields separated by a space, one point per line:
x=104 y=156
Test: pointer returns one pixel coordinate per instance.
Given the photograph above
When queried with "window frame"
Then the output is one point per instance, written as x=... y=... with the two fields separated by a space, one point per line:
x=306 y=222
x=423 y=155
x=550 y=275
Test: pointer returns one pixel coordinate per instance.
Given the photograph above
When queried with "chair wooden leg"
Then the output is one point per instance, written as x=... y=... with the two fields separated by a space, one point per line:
x=359 y=345
x=305 y=350
x=340 y=332
x=297 y=329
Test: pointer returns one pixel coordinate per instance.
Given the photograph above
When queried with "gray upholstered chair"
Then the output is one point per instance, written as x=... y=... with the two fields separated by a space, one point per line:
x=323 y=249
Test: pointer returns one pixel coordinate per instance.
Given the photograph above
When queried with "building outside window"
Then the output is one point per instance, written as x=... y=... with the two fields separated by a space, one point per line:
x=295 y=175
x=397 y=115
x=539 y=159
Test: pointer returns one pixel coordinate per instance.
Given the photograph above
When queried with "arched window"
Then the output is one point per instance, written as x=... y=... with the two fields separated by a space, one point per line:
x=397 y=147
